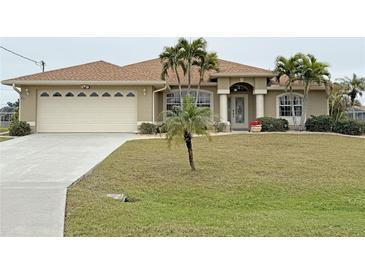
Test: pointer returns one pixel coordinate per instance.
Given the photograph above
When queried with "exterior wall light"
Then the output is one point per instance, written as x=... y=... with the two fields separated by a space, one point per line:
x=85 y=86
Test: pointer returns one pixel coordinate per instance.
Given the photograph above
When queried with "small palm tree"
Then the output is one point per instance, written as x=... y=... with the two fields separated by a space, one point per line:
x=183 y=122
x=354 y=87
x=310 y=71
x=287 y=67
x=191 y=51
x=205 y=63
x=339 y=102
x=172 y=59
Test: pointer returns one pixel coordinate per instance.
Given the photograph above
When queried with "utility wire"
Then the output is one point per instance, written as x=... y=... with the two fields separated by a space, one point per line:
x=38 y=63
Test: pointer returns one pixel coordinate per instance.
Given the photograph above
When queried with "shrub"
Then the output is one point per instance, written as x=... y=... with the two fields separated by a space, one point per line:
x=273 y=124
x=19 y=128
x=15 y=117
x=362 y=124
x=349 y=127
x=161 y=128
x=321 y=123
x=285 y=123
x=147 y=128
x=220 y=126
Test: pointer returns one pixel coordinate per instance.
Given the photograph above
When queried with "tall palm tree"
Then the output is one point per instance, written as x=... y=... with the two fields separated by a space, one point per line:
x=172 y=59
x=310 y=71
x=191 y=51
x=353 y=86
x=205 y=63
x=186 y=120
x=287 y=67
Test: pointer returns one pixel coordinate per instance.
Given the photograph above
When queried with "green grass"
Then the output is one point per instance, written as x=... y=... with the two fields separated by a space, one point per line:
x=245 y=185
x=2 y=139
x=3 y=129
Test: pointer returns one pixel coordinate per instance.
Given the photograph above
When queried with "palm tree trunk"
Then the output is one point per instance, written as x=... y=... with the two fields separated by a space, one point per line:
x=197 y=92
x=305 y=105
x=189 y=77
x=292 y=108
x=189 y=145
x=179 y=83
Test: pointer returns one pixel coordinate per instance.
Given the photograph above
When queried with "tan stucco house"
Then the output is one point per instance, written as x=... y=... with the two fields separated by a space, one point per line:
x=103 y=97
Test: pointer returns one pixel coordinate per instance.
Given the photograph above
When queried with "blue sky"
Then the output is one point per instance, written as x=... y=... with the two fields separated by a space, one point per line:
x=344 y=55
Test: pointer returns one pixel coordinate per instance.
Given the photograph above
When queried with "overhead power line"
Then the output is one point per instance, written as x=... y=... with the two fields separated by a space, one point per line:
x=38 y=63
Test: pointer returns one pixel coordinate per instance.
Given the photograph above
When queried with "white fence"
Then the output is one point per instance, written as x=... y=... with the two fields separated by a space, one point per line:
x=5 y=118
x=356 y=114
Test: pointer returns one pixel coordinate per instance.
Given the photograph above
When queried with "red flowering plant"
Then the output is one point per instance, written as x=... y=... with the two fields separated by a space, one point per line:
x=255 y=123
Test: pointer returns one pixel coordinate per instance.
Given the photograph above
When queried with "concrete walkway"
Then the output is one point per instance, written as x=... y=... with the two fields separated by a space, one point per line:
x=35 y=172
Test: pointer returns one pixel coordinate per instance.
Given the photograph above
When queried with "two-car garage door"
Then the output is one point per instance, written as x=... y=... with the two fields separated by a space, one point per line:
x=86 y=111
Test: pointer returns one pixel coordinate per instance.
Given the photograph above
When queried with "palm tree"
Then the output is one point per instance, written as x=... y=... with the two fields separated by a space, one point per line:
x=288 y=68
x=172 y=59
x=183 y=122
x=339 y=102
x=191 y=51
x=205 y=63
x=354 y=87
x=310 y=71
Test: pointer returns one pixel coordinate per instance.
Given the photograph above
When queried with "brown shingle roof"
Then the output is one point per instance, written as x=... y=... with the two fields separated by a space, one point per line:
x=283 y=81
x=149 y=70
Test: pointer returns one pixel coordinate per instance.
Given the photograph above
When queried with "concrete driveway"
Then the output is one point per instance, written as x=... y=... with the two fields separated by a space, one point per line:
x=35 y=172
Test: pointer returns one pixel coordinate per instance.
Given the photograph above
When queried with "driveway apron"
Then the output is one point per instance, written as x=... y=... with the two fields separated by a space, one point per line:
x=35 y=172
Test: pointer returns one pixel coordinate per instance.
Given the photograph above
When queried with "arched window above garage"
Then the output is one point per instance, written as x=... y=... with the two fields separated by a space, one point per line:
x=44 y=94
x=106 y=94
x=94 y=94
x=81 y=94
x=131 y=94
x=69 y=94
x=118 y=94
x=57 y=94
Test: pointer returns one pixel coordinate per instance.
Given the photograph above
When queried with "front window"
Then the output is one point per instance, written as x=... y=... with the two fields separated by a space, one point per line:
x=285 y=106
x=173 y=98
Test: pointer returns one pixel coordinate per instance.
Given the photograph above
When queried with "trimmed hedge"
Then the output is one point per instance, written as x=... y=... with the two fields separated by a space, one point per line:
x=321 y=123
x=161 y=128
x=19 y=128
x=273 y=124
x=147 y=128
x=325 y=123
x=349 y=127
x=220 y=126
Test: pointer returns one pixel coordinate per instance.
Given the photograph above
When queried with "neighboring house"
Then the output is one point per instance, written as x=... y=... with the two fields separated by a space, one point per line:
x=356 y=113
x=102 y=97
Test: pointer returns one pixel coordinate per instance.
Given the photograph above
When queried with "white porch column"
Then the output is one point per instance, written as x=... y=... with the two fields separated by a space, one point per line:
x=223 y=91
x=223 y=108
x=259 y=92
x=260 y=105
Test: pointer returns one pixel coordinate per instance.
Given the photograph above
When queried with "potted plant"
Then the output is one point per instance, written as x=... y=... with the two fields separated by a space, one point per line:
x=255 y=126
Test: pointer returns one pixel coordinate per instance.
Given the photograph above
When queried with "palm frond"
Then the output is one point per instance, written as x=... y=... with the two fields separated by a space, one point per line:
x=189 y=118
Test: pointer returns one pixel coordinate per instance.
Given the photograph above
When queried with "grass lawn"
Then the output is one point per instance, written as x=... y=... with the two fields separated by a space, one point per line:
x=245 y=185
x=4 y=138
x=3 y=129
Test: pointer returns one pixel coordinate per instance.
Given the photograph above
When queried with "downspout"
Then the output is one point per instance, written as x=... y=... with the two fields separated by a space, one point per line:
x=16 y=89
x=153 y=101
x=20 y=101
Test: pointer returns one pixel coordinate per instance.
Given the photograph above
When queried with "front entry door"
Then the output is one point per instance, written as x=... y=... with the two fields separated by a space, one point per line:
x=238 y=111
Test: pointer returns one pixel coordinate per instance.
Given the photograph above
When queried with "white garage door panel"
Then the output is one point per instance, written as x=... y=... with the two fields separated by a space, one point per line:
x=86 y=114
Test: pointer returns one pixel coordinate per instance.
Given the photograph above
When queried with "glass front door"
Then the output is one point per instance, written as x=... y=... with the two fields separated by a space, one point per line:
x=237 y=111
x=239 y=114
